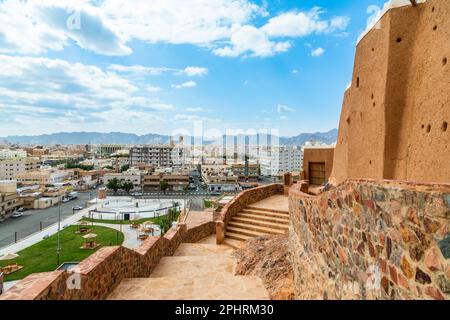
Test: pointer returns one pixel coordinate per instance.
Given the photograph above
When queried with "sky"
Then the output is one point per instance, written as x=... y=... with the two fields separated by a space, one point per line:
x=161 y=66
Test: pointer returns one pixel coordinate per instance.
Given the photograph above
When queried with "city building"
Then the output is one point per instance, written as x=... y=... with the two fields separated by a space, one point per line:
x=131 y=175
x=42 y=177
x=159 y=156
x=107 y=149
x=9 y=198
x=175 y=182
x=11 y=167
x=219 y=178
x=251 y=171
x=277 y=160
x=12 y=154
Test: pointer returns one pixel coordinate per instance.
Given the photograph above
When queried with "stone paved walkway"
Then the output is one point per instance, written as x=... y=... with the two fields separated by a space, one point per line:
x=199 y=271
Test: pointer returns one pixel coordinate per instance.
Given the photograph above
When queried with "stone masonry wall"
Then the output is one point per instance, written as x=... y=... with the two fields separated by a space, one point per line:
x=371 y=240
x=98 y=275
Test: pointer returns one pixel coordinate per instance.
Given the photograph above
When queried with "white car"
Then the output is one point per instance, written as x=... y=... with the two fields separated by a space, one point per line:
x=77 y=208
x=17 y=215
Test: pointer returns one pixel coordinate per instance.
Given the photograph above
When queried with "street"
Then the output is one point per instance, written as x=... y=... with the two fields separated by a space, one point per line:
x=30 y=222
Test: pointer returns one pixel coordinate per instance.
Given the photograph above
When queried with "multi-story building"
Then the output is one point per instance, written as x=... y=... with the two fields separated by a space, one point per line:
x=159 y=156
x=12 y=154
x=250 y=171
x=107 y=149
x=175 y=182
x=280 y=159
x=9 y=198
x=133 y=176
x=10 y=168
x=219 y=178
x=42 y=177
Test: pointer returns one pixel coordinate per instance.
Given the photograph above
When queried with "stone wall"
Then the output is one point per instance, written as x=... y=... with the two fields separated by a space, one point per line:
x=371 y=240
x=241 y=201
x=98 y=275
x=395 y=116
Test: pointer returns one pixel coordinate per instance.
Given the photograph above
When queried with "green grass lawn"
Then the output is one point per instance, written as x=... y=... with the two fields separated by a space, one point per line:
x=41 y=257
x=118 y=221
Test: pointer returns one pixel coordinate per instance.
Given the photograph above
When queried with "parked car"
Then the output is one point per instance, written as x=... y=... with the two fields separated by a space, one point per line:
x=137 y=194
x=20 y=209
x=17 y=215
x=77 y=208
x=65 y=200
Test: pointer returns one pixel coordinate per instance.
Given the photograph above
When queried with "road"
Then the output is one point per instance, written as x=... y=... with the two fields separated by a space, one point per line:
x=31 y=220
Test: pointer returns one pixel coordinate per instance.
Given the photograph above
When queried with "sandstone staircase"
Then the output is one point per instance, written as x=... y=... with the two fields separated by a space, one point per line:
x=254 y=221
x=197 y=271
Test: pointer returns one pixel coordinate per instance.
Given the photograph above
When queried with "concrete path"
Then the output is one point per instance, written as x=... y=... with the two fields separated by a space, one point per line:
x=130 y=235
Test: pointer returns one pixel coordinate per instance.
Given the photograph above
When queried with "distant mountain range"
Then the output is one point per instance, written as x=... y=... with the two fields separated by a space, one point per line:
x=151 y=138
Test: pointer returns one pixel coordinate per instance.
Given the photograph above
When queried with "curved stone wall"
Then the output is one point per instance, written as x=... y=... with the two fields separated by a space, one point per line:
x=241 y=201
x=371 y=240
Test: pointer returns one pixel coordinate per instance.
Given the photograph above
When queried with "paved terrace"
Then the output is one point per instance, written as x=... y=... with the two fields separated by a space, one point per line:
x=198 y=271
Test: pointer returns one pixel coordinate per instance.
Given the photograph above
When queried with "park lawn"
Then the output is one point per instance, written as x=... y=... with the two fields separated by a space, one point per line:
x=41 y=257
x=140 y=221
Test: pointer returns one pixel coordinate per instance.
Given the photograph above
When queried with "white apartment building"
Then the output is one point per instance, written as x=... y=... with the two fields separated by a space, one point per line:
x=162 y=156
x=12 y=154
x=280 y=159
x=10 y=168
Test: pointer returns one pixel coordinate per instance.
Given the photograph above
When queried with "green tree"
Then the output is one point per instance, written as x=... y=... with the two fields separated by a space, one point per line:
x=163 y=185
x=114 y=184
x=127 y=186
x=125 y=167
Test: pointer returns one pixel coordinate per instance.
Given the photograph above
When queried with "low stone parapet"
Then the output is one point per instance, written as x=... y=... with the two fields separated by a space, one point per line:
x=99 y=274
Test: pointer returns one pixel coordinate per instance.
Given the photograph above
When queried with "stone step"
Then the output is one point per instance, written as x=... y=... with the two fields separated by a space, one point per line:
x=198 y=249
x=266 y=213
x=235 y=244
x=236 y=236
x=258 y=217
x=256 y=208
x=202 y=286
x=264 y=222
x=246 y=232
x=182 y=266
x=256 y=228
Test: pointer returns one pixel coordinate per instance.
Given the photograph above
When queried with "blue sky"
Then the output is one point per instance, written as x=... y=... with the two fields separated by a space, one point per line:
x=157 y=66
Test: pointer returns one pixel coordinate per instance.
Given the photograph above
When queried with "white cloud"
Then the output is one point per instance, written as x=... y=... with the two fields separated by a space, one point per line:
x=188 y=84
x=195 y=71
x=138 y=69
x=106 y=27
x=45 y=92
x=317 y=52
x=185 y=117
x=284 y=109
x=153 y=89
x=301 y=24
x=194 y=109
x=251 y=40
x=295 y=71
x=283 y=118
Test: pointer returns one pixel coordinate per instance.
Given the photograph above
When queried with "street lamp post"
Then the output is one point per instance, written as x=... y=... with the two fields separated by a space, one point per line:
x=58 y=250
